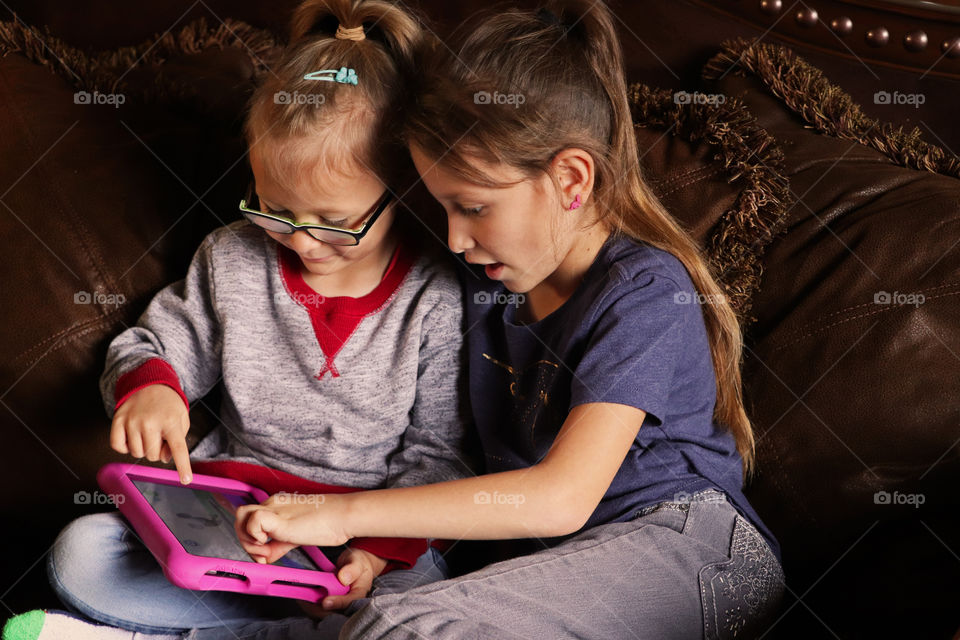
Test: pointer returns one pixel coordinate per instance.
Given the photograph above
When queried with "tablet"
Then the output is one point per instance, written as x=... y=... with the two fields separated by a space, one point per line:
x=189 y=529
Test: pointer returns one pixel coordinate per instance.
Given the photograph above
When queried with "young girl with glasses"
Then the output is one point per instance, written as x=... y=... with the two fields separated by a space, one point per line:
x=336 y=339
x=603 y=366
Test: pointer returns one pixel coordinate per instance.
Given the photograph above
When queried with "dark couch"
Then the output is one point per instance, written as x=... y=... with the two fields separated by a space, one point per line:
x=835 y=233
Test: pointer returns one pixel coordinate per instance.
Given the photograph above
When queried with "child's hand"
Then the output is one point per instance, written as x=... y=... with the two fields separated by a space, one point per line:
x=356 y=568
x=269 y=530
x=153 y=423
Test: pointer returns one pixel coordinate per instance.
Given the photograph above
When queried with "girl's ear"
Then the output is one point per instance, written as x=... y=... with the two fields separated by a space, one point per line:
x=573 y=169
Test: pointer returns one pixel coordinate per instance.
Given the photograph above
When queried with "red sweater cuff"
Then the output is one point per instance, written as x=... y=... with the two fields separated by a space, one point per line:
x=153 y=371
x=401 y=553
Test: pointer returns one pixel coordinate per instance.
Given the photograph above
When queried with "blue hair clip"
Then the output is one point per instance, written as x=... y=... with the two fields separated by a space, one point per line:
x=342 y=75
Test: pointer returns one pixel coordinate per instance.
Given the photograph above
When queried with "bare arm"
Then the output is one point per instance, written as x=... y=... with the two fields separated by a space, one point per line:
x=553 y=497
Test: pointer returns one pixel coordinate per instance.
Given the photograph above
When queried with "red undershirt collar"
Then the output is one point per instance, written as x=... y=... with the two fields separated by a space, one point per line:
x=336 y=318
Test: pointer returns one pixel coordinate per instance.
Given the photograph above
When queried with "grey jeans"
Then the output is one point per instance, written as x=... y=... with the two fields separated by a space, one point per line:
x=681 y=570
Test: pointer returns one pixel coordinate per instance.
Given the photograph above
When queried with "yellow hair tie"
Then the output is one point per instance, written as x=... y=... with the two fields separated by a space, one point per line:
x=353 y=33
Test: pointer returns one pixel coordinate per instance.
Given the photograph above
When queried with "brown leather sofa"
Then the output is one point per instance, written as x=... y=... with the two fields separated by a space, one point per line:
x=836 y=234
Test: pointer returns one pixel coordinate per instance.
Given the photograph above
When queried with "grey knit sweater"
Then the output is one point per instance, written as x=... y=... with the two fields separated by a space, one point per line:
x=360 y=392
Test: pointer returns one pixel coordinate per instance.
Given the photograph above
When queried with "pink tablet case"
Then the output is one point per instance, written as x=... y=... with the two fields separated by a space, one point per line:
x=190 y=571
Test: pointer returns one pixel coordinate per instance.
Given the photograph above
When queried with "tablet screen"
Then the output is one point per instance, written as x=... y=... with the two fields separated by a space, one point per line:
x=203 y=522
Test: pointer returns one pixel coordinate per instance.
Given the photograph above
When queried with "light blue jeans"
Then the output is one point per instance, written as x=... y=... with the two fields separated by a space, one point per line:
x=100 y=569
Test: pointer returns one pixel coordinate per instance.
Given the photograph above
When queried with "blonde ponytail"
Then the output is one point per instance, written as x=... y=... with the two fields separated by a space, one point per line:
x=357 y=124
x=381 y=21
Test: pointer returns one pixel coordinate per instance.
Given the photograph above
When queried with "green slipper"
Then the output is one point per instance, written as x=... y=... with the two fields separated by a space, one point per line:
x=26 y=626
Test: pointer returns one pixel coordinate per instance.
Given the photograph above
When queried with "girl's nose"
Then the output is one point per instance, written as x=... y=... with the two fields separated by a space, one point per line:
x=302 y=242
x=459 y=238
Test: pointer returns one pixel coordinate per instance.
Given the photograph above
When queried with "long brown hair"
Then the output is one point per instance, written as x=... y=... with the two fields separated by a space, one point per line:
x=525 y=85
x=354 y=125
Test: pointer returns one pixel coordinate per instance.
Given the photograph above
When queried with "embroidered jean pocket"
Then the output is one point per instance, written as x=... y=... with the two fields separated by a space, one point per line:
x=741 y=594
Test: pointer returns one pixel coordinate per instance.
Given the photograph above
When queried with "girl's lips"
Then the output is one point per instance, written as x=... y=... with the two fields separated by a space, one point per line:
x=494 y=271
x=315 y=260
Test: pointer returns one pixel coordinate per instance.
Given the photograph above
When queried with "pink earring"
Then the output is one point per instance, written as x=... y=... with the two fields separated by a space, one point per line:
x=576 y=203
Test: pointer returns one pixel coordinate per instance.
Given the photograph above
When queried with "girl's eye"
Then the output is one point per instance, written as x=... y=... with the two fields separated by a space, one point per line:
x=283 y=213
x=470 y=211
x=280 y=213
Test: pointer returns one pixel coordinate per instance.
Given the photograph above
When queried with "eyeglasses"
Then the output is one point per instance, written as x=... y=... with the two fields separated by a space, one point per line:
x=321 y=232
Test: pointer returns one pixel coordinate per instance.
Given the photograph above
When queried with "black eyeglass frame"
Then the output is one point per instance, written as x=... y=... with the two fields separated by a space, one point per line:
x=352 y=236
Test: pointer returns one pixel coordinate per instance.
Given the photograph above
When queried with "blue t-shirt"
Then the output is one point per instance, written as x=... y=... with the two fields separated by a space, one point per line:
x=632 y=333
